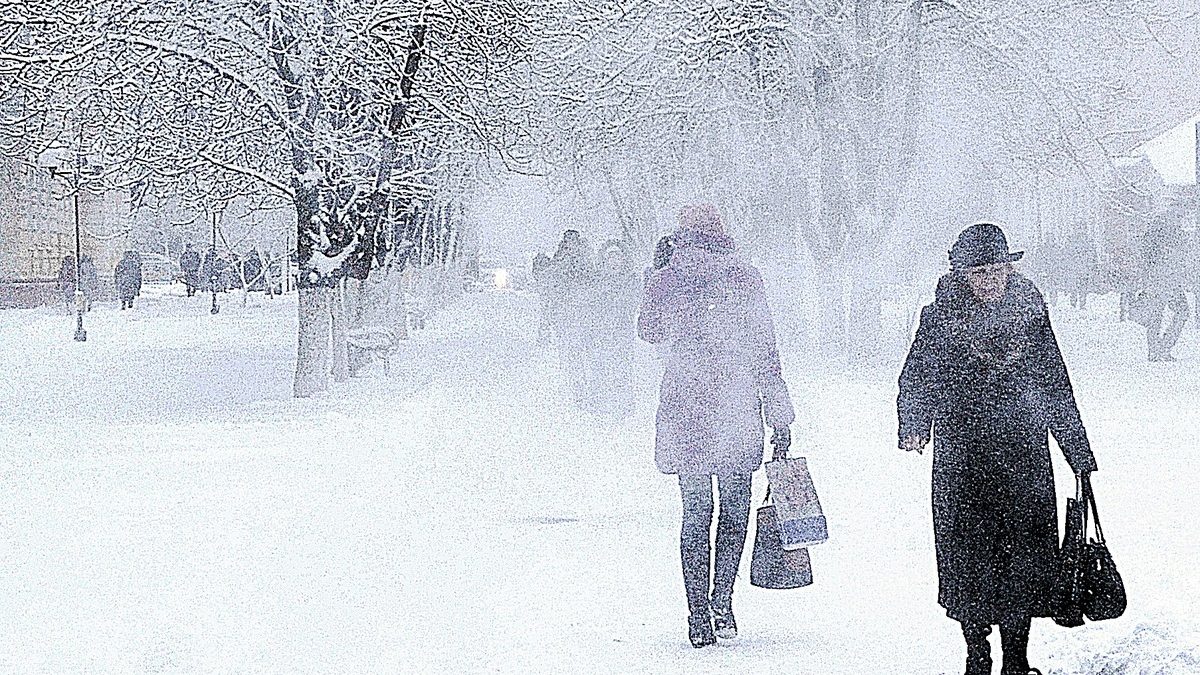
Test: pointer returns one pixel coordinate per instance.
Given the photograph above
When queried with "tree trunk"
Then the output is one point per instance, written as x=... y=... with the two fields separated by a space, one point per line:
x=339 y=320
x=312 y=342
x=397 y=309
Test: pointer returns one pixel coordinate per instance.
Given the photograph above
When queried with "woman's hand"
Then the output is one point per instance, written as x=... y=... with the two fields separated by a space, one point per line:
x=781 y=440
x=914 y=443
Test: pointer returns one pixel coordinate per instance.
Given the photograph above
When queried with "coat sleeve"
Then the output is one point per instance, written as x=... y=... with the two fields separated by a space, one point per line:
x=768 y=369
x=1063 y=417
x=915 y=404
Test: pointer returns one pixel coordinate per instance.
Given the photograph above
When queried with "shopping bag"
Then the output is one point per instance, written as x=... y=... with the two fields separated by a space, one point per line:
x=770 y=565
x=801 y=520
x=1103 y=589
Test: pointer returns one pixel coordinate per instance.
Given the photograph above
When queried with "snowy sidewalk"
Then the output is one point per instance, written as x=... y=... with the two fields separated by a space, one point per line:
x=168 y=508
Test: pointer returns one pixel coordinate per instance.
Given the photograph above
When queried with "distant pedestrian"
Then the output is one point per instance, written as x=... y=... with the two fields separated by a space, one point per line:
x=66 y=280
x=214 y=272
x=542 y=284
x=708 y=310
x=617 y=295
x=252 y=268
x=1163 y=289
x=1079 y=265
x=986 y=381
x=128 y=278
x=572 y=284
x=89 y=281
x=189 y=262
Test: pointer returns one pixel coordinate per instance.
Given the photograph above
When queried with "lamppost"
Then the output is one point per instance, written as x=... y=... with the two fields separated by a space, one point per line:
x=80 y=300
x=212 y=268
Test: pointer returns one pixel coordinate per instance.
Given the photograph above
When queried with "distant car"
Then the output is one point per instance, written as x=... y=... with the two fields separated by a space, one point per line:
x=159 y=269
x=495 y=273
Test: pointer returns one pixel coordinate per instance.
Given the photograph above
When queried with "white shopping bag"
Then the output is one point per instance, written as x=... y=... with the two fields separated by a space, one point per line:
x=801 y=520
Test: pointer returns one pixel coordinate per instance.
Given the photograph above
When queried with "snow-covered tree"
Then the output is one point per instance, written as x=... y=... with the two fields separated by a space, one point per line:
x=349 y=111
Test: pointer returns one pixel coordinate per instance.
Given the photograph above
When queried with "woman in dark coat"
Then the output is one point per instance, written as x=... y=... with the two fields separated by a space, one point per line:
x=985 y=378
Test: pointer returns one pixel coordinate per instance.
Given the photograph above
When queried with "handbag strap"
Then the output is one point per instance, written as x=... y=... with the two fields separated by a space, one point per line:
x=1086 y=483
x=1082 y=488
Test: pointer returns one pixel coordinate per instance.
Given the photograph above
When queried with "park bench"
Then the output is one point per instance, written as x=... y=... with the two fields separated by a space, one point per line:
x=370 y=342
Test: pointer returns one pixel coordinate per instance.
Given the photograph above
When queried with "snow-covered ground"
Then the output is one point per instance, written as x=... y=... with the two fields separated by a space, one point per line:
x=168 y=508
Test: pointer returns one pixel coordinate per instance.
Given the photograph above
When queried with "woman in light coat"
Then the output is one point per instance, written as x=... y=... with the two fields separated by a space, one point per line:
x=708 y=309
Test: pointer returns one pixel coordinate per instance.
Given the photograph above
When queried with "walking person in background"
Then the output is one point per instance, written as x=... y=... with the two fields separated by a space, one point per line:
x=708 y=309
x=572 y=281
x=189 y=262
x=252 y=270
x=1163 y=288
x=614 y=322
x=66 y=281
x=128 y=278
x=1079 y=265
x=542 y=285
x=986 y=380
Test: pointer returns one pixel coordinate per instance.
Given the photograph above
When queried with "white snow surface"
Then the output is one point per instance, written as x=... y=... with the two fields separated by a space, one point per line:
x=168 y=508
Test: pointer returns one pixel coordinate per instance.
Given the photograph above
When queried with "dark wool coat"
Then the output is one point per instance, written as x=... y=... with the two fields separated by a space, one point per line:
x=128 y=277
x=189 y=262
x=988 y=381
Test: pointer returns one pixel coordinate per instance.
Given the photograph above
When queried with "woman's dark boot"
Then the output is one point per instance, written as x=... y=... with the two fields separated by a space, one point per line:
x=700 y=630
x=979 y=650
x=731 y=541
x=696 y=556
x=723 y=621
x=1014 y=640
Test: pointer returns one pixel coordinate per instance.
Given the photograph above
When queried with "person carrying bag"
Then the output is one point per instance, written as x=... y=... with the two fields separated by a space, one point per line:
x=722 y=383
x=986 y=384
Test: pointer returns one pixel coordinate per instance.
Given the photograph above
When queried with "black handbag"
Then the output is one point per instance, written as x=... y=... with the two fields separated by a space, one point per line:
x=770 y=565
x=1103 y=590
x=1088 y=582
x=1068 y=590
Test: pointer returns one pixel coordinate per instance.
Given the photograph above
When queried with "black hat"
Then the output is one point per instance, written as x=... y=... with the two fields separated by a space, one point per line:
x=981 y=244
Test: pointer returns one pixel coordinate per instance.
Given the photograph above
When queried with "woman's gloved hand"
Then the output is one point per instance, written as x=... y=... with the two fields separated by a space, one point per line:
x=663 y=251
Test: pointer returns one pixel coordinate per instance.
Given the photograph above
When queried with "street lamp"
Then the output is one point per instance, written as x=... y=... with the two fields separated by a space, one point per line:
x=212 y=268
x=51 y=162
x=80 y=301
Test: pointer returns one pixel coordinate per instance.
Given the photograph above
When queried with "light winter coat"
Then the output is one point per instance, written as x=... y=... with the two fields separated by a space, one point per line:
x=709 y=310
x=988 y=381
